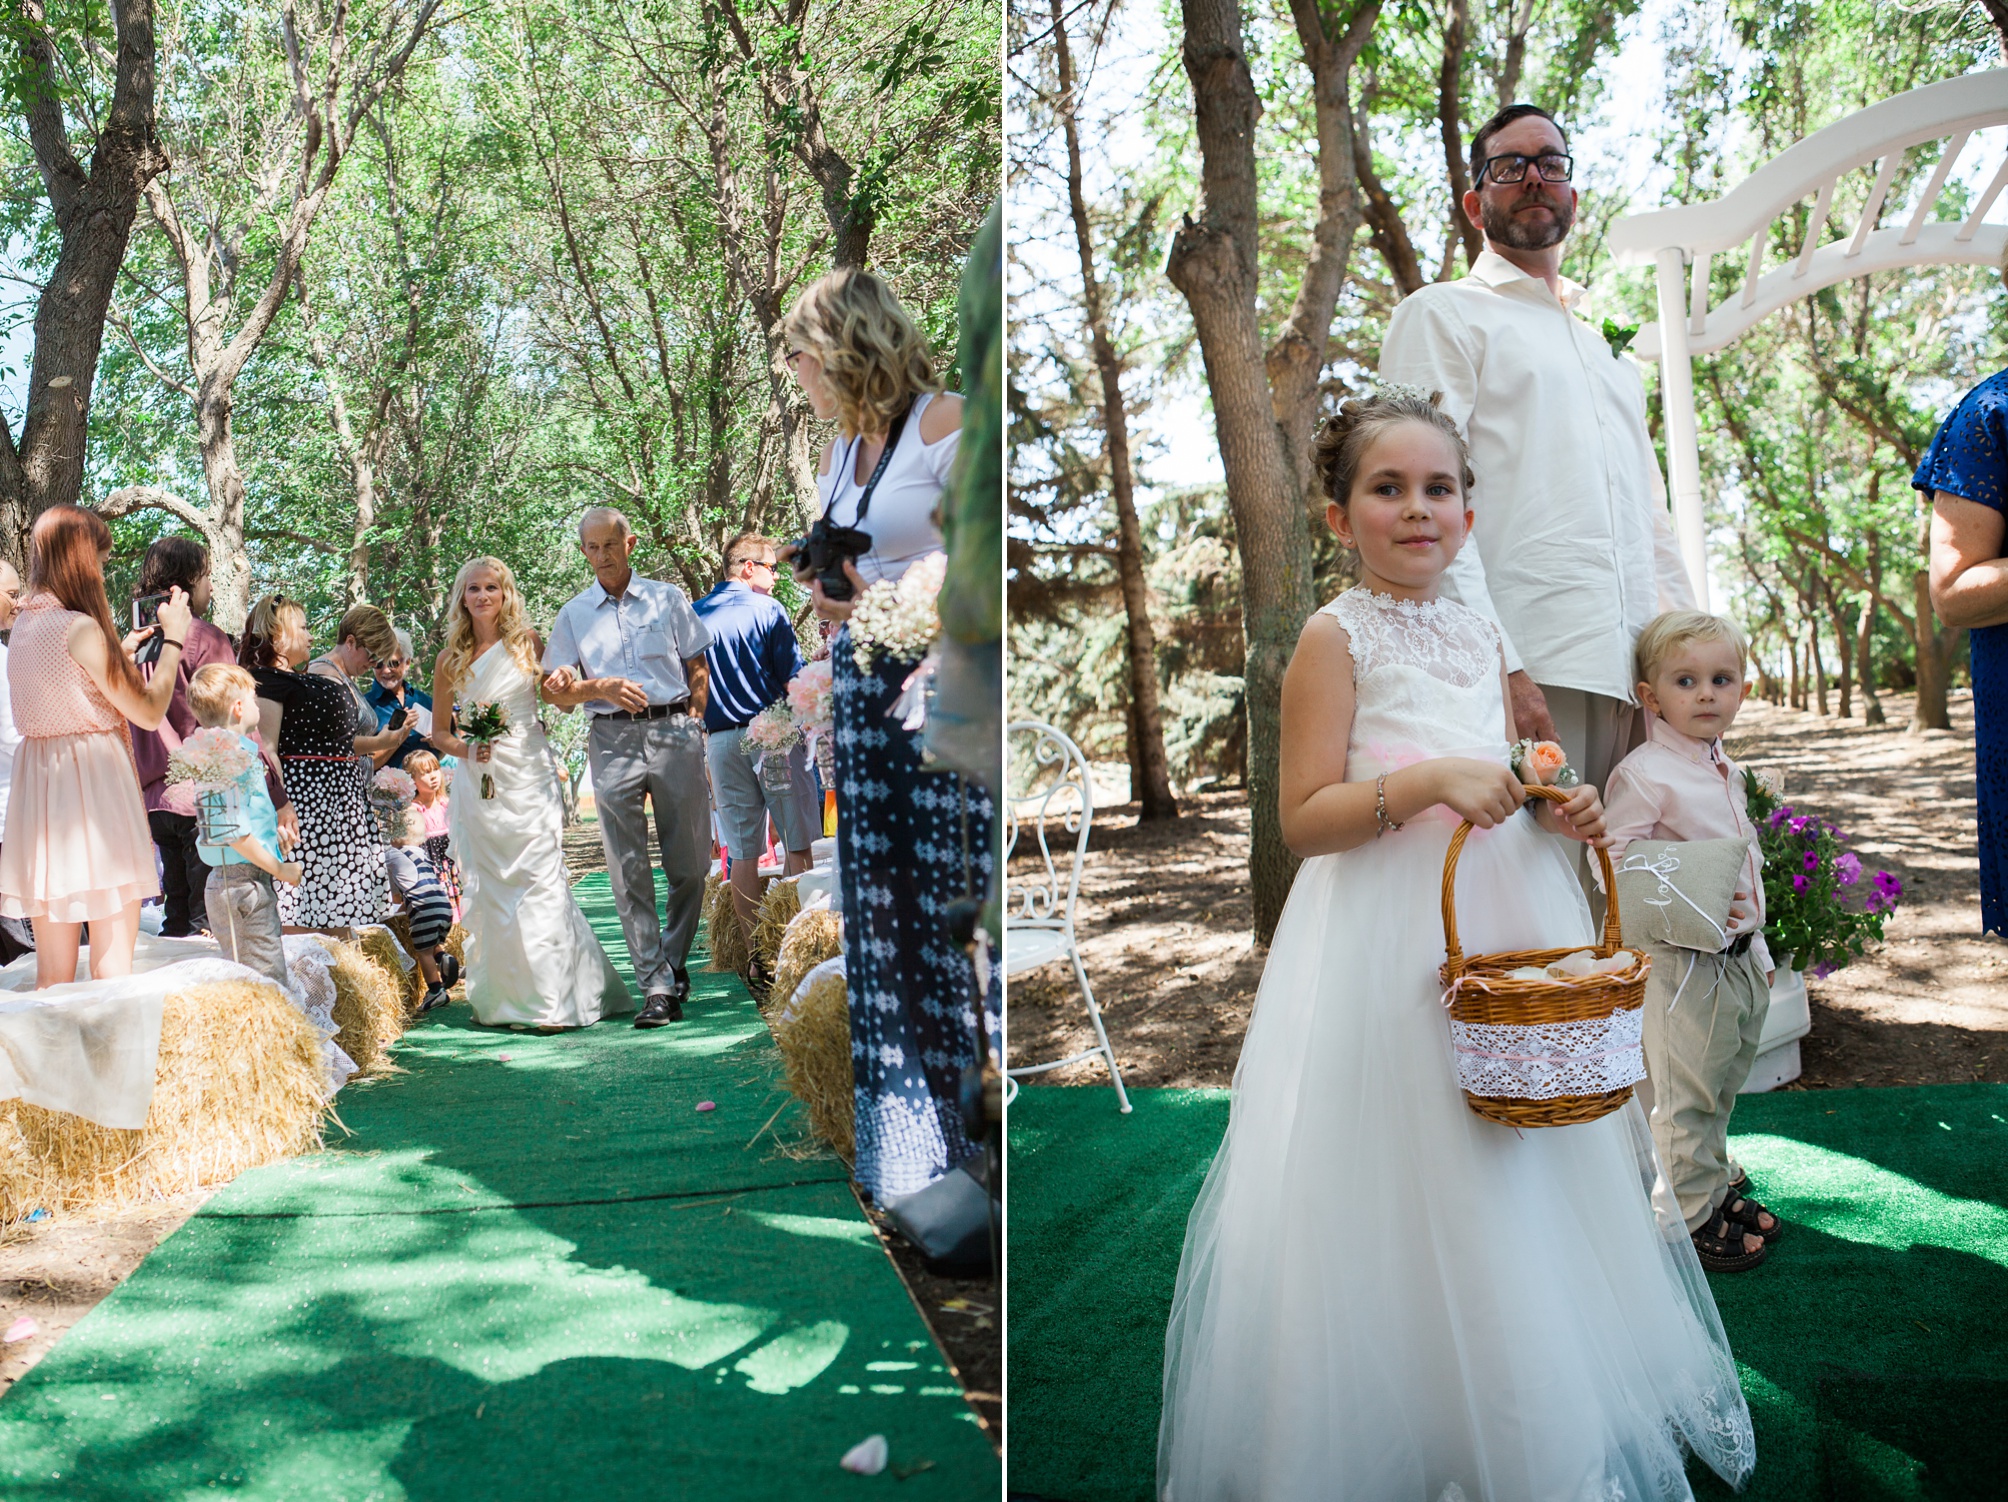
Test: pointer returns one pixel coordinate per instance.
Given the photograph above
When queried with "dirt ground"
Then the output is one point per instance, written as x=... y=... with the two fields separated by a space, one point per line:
x=1165 y=918
x=55 y=1271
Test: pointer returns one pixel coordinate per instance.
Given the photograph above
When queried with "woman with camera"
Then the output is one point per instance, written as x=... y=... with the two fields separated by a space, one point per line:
x=182 y=563
x=76 y=848
x=316 y=720
x=902 y=829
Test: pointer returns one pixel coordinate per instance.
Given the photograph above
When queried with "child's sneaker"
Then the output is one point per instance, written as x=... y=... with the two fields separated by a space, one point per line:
x=435 y=997
x=449 y=969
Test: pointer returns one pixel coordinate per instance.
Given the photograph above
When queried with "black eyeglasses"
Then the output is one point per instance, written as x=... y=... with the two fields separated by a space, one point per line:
x=1511 y=167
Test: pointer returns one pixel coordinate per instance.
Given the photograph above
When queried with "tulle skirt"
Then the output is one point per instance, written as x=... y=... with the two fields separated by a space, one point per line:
x=76 y=845
x=1386 y=1298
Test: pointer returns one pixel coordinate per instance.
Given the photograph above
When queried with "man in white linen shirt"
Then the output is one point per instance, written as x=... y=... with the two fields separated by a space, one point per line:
x=1575 y=552
x=632 y=651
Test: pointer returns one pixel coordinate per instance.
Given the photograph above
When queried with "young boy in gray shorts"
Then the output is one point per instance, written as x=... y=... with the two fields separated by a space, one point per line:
x=1704 y=1013
x=243 y=905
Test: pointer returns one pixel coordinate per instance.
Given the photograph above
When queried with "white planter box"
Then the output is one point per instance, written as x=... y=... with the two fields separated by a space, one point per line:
x=1789 y=1020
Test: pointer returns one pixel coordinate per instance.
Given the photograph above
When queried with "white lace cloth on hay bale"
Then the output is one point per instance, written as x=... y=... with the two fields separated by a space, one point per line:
x=92 y=1047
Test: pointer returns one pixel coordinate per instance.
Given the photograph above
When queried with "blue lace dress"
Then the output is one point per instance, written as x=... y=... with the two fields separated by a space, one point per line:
x=1969 y=458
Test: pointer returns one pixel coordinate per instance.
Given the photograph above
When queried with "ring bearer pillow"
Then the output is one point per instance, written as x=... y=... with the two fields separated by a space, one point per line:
x=1678 y=892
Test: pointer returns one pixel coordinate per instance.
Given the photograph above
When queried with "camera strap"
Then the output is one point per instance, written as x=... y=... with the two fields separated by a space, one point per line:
x=878 y=470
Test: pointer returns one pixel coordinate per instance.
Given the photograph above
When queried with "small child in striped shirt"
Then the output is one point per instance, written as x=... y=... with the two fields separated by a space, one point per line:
x=415 y=882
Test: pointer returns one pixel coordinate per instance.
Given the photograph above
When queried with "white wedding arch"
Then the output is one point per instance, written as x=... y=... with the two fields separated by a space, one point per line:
x=1680 y=242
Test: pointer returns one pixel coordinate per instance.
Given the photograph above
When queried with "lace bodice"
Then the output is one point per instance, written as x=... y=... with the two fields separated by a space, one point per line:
x=1427 y=682
x=51 y=693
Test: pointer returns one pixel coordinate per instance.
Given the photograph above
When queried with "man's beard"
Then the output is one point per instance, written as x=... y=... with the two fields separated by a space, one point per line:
x=1503 y=226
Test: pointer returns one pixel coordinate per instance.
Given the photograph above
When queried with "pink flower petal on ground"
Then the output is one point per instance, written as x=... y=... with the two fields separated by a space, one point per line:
x=867 y=1457
x=707 y=1105
x=501 y=1058
x=20 y=1330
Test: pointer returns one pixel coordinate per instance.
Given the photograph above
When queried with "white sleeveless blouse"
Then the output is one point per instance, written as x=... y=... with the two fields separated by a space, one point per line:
x=901 y=519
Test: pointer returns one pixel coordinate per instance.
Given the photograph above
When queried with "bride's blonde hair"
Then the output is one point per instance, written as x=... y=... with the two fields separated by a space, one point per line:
x=513 y=622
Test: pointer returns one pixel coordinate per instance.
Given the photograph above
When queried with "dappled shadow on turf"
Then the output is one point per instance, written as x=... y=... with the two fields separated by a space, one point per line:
x=1893 y=1279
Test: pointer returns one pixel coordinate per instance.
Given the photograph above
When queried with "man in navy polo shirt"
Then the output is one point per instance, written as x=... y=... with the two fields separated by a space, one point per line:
x=752 y=656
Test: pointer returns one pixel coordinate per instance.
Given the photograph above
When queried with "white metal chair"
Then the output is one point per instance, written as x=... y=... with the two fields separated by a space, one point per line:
x=1050 y=788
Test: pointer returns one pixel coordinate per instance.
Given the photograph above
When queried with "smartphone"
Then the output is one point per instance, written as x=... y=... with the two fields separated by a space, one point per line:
x=146 y=611
x=401 y=718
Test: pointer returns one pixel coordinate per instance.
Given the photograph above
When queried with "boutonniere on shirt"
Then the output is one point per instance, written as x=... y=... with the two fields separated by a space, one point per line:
x=1619 y=336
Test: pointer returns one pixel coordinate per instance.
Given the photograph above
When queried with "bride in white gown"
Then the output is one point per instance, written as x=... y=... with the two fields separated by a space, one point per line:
x=533 y=959
x=1384 y=1297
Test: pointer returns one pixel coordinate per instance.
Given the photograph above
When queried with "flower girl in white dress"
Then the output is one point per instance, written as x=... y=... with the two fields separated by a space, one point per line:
x=1383 y=1296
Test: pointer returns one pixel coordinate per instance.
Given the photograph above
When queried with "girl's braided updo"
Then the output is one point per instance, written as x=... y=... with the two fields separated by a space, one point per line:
x=1344 y=438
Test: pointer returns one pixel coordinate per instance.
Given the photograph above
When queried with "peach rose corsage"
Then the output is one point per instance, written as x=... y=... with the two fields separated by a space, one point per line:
x=1543 y=764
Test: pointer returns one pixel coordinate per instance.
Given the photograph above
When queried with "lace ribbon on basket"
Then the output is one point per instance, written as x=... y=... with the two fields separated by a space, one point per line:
x=1547 y=1059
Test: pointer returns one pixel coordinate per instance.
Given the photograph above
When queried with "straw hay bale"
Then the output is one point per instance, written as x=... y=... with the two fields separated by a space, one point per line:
x=813 y=1034
x=239 y=1084
x=777 y=908
x=811 y=938
x=369 y=1003
x=723 y=934
x=414 y=983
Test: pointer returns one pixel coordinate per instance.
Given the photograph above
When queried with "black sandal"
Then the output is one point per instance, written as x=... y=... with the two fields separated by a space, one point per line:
x=1745 y=1211
x=1719 y=1245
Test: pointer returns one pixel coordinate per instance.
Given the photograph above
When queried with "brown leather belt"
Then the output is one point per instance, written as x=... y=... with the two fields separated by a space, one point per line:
x=653 y=712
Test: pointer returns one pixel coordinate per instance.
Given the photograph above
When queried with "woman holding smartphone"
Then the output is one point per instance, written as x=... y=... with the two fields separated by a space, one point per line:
x=76 y=848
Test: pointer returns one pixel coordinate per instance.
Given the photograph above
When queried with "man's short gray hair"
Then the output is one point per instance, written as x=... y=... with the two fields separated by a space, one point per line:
x=404 y=642
x=600 y=515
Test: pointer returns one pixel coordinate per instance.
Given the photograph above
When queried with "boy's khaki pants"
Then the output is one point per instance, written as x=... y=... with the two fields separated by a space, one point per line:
x=1698 y=1052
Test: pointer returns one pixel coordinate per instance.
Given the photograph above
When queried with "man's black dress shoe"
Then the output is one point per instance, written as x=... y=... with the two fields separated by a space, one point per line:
x=660 y=1011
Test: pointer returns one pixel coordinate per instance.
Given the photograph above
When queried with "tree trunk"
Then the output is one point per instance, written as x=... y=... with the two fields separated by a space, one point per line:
x=1837 y=616
x=1872 y=710
x=1449 y=103
x=1935 y=650
x=1809 y=605
x=356 y=456
x=1214 y=263
x=1151 y=772
x=1796 y=695
x=93 y=215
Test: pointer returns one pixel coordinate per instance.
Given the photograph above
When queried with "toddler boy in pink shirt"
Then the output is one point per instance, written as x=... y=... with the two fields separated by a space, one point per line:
x=1704 y=1014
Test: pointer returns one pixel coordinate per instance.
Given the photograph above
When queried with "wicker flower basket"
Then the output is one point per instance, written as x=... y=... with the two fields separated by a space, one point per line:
x=1525 y=1048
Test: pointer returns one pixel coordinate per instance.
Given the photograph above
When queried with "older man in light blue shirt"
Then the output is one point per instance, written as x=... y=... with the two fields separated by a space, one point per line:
x=631 y=651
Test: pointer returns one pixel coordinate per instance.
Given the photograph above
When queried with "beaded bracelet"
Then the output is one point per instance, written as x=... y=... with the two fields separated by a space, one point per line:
x=1382 y=823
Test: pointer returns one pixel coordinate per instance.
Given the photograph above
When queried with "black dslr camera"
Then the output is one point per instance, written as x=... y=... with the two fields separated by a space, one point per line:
x=823 y=552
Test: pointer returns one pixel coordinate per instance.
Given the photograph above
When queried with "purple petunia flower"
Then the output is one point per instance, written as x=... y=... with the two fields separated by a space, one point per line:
x=1798 y=826
x=1822 y=970
x=1812 y=860
x=1780 y=815
x=1847 y=868
x=1799 y=883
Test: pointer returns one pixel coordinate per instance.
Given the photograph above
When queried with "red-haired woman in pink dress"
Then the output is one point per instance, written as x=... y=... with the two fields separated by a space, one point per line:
x=76 y=848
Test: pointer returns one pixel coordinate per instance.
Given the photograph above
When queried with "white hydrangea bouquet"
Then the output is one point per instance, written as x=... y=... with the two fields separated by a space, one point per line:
x=769 y=737
x=812 y=697
x=212 y=760
x=392 y=791
x=899 y=619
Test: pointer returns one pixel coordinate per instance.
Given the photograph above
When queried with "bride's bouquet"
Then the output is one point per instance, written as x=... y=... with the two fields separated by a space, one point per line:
x=486 y=723
x=899 y=619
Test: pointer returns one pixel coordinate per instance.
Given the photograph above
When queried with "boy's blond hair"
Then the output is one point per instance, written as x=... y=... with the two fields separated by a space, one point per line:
x=413 y=832
x=1678 y=627
x=214 y=689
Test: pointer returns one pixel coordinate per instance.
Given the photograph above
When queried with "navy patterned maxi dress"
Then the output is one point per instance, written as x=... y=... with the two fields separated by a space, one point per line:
x=1969 y=459
x=900 y=844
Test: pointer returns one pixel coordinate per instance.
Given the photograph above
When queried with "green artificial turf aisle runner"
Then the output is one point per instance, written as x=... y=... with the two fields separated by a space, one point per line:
x=1869 y=1344
x=535 y=1271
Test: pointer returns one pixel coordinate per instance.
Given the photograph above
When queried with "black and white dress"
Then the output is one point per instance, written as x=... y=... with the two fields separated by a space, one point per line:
x=339 y=850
